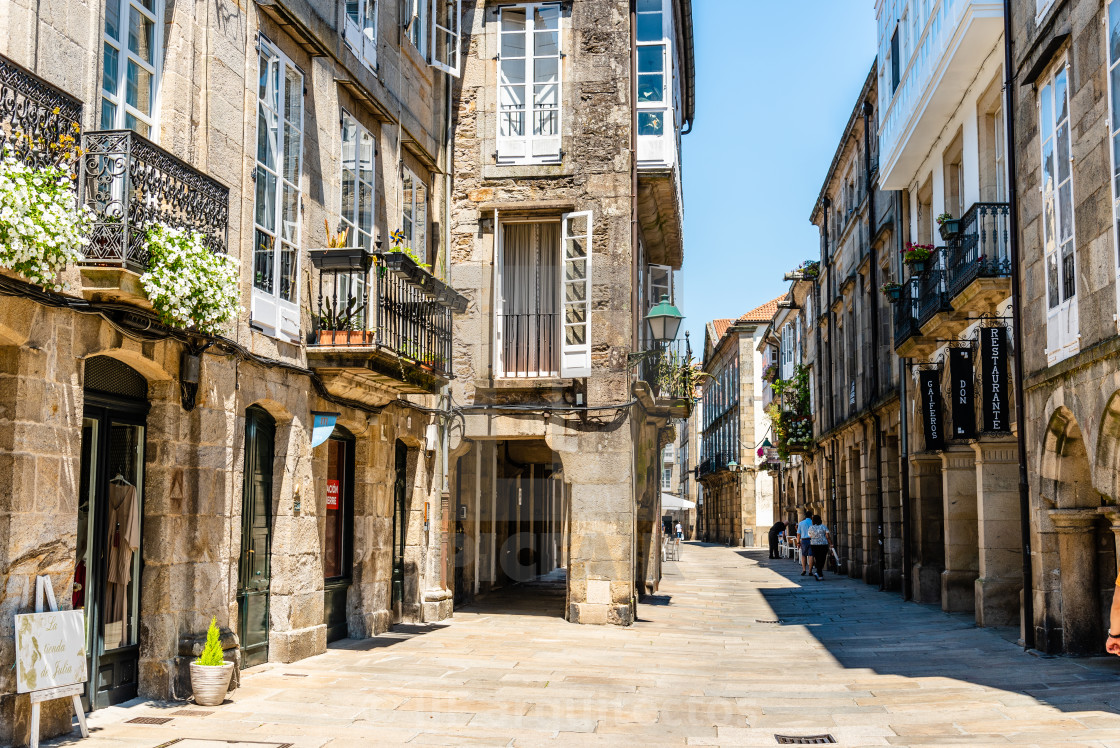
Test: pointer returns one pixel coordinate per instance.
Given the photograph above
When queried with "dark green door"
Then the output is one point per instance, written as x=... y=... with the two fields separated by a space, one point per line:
x=256 y=537
x=399 y=522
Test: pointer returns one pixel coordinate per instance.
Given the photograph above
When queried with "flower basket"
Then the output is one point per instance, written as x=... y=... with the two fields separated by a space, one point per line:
x=950 y=228
x=342 y=258
x=892 y=291
x=401 y=265
x=916 y=255
x=210 y=682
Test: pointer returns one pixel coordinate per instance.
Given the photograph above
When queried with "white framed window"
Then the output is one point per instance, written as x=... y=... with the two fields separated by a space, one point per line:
x=1112 y=42
x=277 y=222
x=361 y=30
x=130 y=71
x=575 y=343
x=787 y=351
x=418 y=24
x=356 y=209
x=666 y=479
x=447 y=35
x=660 y=283
x=1040 y=8
x=1000 y=142
x=529 y=81
x=653 y=79
x=1062 y=338
x=414 y=214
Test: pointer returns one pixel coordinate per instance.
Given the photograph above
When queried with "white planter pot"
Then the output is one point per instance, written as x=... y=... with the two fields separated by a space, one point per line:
x=210 y=682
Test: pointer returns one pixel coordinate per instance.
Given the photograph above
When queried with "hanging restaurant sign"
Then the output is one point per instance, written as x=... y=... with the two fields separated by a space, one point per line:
x=962 y=390
x=929 y=388
x=993 y=371
x=322 y=426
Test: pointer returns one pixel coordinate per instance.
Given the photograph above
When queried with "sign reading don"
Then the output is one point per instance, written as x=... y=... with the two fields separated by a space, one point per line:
x=50 y=650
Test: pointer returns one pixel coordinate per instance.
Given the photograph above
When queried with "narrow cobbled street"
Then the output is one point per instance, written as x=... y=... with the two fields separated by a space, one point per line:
x=735 y=650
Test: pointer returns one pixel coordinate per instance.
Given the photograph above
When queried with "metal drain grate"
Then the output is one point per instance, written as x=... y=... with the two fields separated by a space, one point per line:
x=295 y=675
x=191 y=713
x=148 y=721
x=759 y=620
x=804 y=740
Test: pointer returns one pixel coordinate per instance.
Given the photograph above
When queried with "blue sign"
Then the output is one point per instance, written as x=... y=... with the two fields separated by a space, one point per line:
x=322 y=426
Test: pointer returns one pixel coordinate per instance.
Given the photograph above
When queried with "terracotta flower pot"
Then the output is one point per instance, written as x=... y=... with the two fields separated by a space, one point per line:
x=210 y=682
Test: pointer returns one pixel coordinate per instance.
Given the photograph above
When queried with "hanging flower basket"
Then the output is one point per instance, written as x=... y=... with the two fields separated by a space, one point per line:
x=892 y=291
x=916 y=255
x=950 y=228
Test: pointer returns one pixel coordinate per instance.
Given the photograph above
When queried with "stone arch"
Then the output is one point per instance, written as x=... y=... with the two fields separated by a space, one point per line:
x=1065 y=473
x=1107 y=467
x=146 y=367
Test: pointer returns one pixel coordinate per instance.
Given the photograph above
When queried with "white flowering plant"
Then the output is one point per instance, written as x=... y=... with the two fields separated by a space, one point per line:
x=188 y=285
x=42 y=227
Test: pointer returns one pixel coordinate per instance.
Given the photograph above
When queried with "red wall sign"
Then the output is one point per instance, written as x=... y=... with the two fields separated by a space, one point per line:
x=332 y=494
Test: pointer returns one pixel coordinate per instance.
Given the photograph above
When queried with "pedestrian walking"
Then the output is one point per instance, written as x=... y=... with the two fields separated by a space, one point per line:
x=774 y=536
x=806 y=550
x=680 y=533
x=1112 y=643
x=821 y=543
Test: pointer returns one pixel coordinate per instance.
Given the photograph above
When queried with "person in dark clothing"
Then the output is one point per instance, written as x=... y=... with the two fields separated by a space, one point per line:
x=775 y=532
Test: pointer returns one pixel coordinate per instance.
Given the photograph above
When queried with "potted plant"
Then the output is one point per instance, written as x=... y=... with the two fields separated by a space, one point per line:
x=892 y=290
x=811 y=268
x=916 y=255
x=210 y=673
x=949 y=227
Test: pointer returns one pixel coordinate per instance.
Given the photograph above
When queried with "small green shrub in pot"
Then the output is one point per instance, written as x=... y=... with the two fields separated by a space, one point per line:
x=210 y=673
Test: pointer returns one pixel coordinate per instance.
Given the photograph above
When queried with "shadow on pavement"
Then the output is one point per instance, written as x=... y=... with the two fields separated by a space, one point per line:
x=543 y=596
x=863 y=627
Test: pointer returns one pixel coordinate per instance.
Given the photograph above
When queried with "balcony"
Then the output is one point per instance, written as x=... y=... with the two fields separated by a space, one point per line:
x=381 y=325
x=34 y=113
x=979 y=264
x=957 y=38
x=131 y=183
x=670 y=376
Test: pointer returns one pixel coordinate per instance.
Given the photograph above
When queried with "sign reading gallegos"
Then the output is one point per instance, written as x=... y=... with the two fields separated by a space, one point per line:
x=50 y=650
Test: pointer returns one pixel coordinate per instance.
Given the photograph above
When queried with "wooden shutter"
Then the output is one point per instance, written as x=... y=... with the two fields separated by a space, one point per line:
x=575 y=294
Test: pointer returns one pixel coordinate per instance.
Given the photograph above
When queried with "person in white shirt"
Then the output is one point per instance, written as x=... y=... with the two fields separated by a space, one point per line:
x=821 y=543
x=680 y=533
x=806 y=549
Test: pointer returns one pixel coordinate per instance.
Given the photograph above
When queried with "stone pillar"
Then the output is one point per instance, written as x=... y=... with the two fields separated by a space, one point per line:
x=1000 y=539
x=1080 y=614
x=855 y=486
x=892 y=515
x=928 y=520
x=962 y=559
x=869 y=472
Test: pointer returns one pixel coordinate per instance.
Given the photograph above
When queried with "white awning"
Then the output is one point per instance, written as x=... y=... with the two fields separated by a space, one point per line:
x=669 y=502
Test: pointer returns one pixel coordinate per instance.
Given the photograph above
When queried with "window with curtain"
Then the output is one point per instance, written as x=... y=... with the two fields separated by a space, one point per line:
x=414 y=214
x=529 y=320
x=130 y=65
x=1057 y=217
x=277 y=193
x=529 y=65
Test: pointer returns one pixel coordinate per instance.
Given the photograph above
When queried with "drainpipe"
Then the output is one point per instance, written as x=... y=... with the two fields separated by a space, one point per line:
x=904 y=435
x=1017 y=336
x=872 y=273
x=635 y=293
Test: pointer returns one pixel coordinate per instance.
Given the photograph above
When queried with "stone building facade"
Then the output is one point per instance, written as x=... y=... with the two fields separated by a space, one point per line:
x=738 y=499
x=1063 y=53
x=273 y=118
x=565 y=230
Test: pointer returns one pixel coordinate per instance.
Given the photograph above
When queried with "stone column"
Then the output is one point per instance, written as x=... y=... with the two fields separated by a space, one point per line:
x=892 y=514
x=1080 y=613
x=854 y=476
x=962 y=559
x=1000 y=540
x=928 y=525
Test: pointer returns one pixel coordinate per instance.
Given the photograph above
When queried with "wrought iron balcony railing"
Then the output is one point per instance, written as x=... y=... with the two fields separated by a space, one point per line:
x=383 y=302
x=933 y=293
x=664 y=369
x=34 y=115
x=982 y=248
x=131 y=183
x=906 y=312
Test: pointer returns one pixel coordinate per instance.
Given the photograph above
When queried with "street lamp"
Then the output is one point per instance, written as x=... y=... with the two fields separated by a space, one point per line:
x=733 y=466
x=664 y=321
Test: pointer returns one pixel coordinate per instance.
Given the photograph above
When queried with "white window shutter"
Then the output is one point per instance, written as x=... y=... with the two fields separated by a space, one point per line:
x=575 y=293
x=446 y=36
x=499 y=299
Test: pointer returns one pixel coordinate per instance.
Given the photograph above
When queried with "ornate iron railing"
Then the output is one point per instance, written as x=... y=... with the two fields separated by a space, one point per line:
x=933 y=292
x=663 y=370
x=982 y=248
x=906 y=312
x=35 y=116
x=381 y=301
x=131 y=183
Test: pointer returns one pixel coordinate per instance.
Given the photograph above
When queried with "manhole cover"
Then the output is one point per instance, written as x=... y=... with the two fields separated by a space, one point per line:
x=804 y=740
x=149 y=721
x=191 y=713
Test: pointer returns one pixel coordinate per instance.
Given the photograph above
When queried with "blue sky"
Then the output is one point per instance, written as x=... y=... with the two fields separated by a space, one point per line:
x=775 y=85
